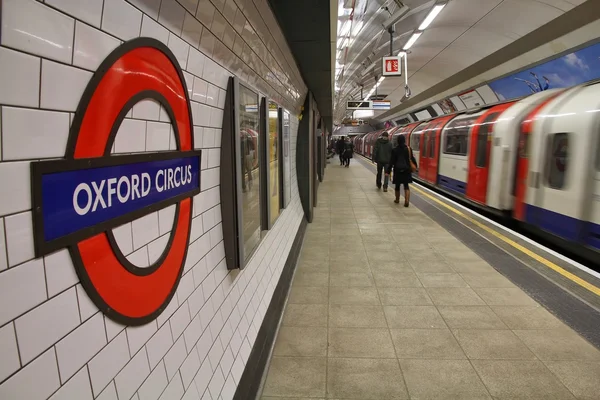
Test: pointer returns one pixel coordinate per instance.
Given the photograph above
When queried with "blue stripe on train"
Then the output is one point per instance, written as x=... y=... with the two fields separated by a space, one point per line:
x=566 y=227
x=452 y=184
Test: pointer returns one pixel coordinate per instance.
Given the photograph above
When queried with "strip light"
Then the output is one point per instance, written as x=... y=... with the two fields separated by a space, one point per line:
x=412 y=40
x=432 y=14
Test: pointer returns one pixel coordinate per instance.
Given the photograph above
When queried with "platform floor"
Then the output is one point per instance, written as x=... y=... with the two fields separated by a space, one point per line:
x=387 y=304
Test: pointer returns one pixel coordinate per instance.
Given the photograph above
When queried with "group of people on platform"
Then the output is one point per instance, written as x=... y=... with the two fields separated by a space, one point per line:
x=344 y=147
x=399 y=160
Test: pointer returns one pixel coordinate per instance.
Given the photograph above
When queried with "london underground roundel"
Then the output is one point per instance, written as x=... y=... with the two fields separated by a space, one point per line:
x=79 y=199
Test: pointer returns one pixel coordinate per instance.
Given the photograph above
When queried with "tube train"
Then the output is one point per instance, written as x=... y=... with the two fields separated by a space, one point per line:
x=535 y=160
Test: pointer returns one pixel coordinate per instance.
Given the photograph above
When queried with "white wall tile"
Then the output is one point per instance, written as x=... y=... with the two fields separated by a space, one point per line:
x=149 y=7
x=227 y=361
x=131 y=377
x=37 y=381
x=62 y=86
x=189 y=368
x=30 y=133
x=34 y=28
x=180 y=48
x=190 y=5
x=147 y=109
x=21 y=289
x=43 y=326
x=229 y=388
x=237 y=369
x=212 y=96
x=156 y=248
x=157 y=136
x=60 y=272
x=86 y=307
x=174 y=390
x=137 y=336
x=124 y=238
x=205 y=12
x=171 y=15
x=153 y=29
x=195 y=302
x=76 y=388
x=110 y=393
x=89 y=11
x=15 y=188
x=155 y=384
x=200 y=90
x=75 y=350
x=131 y=136
x=197 y=229
x=121 y=19
x=112 y=328
x=3 y=256
x=20 y=78
x=8 y=351
x=159 y=344
x=105 y=366
x=192 y=333
x=216 y=383
x=195 y=64
x=179 y=321
x=191 y=394
x=139 y=258
x=192 y=30
x=175 y=357
x=166 y=217
x=91 y=46
x=166 y=314
x=203 y=377
x=145 y=229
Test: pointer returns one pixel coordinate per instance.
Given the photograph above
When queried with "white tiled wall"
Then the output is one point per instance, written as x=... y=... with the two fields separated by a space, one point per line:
x=54 y=342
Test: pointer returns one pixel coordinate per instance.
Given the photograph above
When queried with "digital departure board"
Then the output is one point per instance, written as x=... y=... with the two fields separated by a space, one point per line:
x=359 y=105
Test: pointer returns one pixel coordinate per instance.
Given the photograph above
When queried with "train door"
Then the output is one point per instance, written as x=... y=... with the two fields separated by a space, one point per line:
x=479 y=153
x=522 y=170
x=433 y=153
x=559 y=163
x=593 y=225
x=425 y=148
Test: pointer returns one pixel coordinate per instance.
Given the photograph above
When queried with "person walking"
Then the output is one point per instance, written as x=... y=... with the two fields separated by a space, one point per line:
x=382 y=155
x=348 y=152
x=403 y=162
x=340 y=147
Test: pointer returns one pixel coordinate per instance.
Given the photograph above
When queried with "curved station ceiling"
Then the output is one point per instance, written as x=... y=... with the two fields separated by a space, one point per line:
x=441 y=38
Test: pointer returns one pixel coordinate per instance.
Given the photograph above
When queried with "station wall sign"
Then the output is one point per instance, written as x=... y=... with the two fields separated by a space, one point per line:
x=359 y=105
x=391 y=66
x=79 y=199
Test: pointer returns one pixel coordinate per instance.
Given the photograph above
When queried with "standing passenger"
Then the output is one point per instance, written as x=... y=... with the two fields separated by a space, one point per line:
x=340 y=149
x=402 y=161
x=382 y=155
x=349 y=151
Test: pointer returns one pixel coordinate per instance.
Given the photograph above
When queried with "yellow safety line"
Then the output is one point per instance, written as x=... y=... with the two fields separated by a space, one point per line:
x=535 y=256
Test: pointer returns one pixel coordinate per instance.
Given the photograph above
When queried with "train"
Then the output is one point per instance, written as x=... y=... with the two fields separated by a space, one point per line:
x=534 y=161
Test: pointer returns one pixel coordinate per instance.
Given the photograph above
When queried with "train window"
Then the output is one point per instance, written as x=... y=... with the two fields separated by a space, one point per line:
x=456 y=139
x=415 y=141
x=558 y=160
x=481 y=157
x=274 y=162
x=425 y=145
x=598 y=157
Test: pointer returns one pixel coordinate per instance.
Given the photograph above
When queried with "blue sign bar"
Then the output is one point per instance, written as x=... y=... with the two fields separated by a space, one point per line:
x=73 y=198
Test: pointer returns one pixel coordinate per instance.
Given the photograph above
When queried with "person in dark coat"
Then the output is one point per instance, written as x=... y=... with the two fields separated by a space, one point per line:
x=382 y=155
x=401 y=163
x=340 y=147
x=348 y=152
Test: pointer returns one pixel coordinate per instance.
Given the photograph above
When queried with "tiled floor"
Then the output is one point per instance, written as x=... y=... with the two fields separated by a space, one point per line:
x=386 y=304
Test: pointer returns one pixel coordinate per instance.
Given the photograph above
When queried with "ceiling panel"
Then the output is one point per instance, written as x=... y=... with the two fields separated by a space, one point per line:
x=465 y=32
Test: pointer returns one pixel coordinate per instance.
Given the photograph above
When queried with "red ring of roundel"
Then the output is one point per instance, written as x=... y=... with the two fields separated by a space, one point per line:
x=139 y=65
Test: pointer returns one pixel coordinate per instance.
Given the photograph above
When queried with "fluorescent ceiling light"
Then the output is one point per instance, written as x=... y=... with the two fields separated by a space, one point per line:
x=412 y=40
x=345 y=28
x=401 y=54
x=380 y=80
x=432 y=14
x=357 y=28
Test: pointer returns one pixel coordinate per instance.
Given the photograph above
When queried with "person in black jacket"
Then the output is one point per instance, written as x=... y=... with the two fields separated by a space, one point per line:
x=401 y=163
x=382 y=155
x=340 y=147
x=348 y=152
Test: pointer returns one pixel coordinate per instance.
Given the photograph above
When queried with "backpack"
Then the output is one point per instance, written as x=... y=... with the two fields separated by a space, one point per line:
x=401 y=163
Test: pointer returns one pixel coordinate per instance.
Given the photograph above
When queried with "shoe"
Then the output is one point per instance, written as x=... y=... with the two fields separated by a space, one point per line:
x=396 y=201
x=385 y=189
x=405 y=204
x=378 y=187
